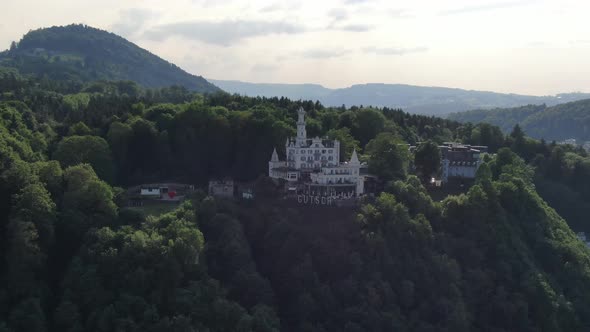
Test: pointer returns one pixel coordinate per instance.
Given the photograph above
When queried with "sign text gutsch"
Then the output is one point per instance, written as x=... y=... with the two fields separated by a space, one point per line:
x=322 y=200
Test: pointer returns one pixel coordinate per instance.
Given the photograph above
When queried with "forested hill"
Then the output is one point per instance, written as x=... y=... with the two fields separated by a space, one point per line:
x=74 y=256
x=81 y=53
x=559 y=122
x=414 y=99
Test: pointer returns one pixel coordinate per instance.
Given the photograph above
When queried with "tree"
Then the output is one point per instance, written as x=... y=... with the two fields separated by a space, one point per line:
x=347 y=142
x=94 y=150
x=427 y=159
x=34 y=204
x=518 y=141
x=367 y=124
x=79 y=129
x=388 y=157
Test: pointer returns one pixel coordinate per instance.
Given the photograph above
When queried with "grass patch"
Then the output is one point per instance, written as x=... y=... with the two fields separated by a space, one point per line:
x=155 y=209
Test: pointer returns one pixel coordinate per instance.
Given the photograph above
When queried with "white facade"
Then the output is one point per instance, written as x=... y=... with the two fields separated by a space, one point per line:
x=320 y=158
x=221 y=188
x=570 y=141
x=150 y=192
x=459 y=169
x=460 y=161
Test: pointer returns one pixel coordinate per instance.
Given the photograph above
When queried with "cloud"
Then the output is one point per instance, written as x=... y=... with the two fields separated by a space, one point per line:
x=275 y=7
x=338 y=14
x=263 y=68
x=580 y=42
x=356 y=27
x=324 y=53
x=271 y=8
x=394 y=50
x=539 y=44
x=400 y=13
x=211 y=3
x=131 y=21
x=223 y=33
x=354 y=2
x=486 y=7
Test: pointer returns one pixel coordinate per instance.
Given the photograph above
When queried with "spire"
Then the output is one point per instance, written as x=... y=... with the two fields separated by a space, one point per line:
x=354 y=159
x=275 y=155
x=301 y=132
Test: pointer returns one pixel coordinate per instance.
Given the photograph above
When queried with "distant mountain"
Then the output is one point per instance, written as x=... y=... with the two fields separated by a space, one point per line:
x=414 y=99
x=82 y=53
x=559 y=122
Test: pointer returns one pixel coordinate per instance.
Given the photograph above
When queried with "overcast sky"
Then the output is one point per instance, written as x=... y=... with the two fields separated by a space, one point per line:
x=521 y=46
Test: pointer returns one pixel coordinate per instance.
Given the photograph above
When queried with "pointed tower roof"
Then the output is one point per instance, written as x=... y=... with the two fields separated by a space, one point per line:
x=275 y=155
x=354 y=159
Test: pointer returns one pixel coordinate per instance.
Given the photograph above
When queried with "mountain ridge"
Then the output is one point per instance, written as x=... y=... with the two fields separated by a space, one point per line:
x=429 y=100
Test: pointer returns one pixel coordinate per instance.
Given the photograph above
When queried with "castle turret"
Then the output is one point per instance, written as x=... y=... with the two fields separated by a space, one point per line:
x=301 y=131
x=355 y=164
x=354 y=159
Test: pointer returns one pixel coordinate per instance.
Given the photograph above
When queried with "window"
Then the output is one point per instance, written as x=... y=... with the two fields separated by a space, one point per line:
x=317 y=145
x=330 y=157
x=330 y=151
x=323 y=151
x=303 y=158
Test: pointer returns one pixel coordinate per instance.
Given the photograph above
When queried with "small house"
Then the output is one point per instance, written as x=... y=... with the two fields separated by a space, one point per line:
x=221 y=188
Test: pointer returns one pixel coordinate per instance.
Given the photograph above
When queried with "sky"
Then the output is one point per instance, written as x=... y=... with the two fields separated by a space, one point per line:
x=536 y=47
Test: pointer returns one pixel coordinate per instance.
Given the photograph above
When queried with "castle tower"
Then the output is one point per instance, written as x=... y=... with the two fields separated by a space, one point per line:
x=301 y=132
x=355 y=164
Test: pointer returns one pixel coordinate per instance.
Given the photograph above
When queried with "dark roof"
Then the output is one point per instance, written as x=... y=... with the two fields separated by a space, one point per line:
x=463 y=163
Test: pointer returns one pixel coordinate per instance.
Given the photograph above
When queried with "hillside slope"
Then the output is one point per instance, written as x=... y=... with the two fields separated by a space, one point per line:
x=559 y=122
x=414 y=99
x=82 y=53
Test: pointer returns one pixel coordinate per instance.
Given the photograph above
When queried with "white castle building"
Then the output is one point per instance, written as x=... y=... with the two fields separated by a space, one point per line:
x=315 y=165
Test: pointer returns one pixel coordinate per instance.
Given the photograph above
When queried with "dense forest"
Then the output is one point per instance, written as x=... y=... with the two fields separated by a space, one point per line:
x=559 y=122
x=497 y=257
x=79 y=53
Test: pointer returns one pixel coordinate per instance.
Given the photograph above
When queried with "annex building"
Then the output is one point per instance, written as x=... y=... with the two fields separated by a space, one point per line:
x=460 y=161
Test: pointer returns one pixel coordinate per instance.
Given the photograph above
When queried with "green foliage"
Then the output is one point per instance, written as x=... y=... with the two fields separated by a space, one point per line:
x=427 y=159
x=368 y=123
x=388 y=157
x=496 y=258
x=93 y=150
x=79 y=129
x=559 y=122
x=347 y=142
